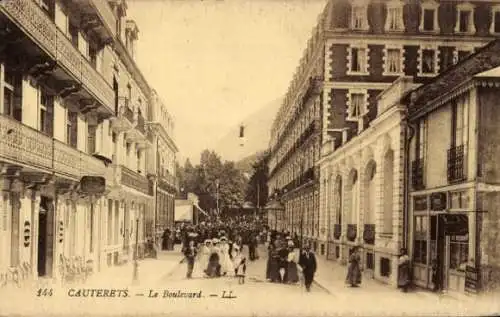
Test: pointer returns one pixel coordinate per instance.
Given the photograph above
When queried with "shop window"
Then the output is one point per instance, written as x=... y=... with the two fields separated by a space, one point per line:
x=420 y=243
x=370 y=261
x=459 y=252
x=465 y=18
x=385 y=267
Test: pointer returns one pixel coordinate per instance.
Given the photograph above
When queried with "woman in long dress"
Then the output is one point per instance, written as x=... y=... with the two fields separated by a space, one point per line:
x=404 y=271
x=225 y=259
x=292 y=274
x=240 y=264
x=203 y=257
x=353 y=271
x=213 y=267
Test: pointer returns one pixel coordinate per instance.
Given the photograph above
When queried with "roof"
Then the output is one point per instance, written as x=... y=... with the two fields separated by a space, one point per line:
x=492 y=73
x=484 y=60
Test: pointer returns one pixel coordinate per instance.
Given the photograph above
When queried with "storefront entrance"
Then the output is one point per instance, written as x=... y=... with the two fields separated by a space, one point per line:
x=45 y=237
x=438 y=252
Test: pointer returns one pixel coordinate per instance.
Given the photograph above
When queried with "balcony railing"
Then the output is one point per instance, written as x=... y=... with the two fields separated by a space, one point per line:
x=134 y=180
x=352 y=232
x=22 y=144
x=141 y=126
x=417 y=174
x=456 y=164
x=337 y=231
x=31 y=18
x=369 y=234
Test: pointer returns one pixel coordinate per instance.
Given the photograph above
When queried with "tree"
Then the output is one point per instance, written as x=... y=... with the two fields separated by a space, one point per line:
x=258 y=182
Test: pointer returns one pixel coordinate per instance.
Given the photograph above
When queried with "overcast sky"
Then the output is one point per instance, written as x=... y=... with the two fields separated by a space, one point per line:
x=215 y=62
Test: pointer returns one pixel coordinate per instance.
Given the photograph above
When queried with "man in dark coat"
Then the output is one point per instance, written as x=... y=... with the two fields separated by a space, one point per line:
x=307 y=262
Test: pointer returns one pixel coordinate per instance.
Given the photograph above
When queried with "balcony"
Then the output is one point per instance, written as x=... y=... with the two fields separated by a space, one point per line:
x=168 y=182
x=124 y=119
x=138 y=133
x=369 y=234
x=23 y=145
x=133 y=180
x=337 y=231
x=417 y=174
x=352 y=232
x=98 y=16
x=456 y=164
x=72 y=65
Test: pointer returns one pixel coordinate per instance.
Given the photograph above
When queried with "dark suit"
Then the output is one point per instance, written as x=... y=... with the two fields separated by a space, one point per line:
x=307 y=262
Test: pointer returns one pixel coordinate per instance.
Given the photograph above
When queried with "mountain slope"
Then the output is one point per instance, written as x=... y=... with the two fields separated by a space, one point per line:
x=257 y=133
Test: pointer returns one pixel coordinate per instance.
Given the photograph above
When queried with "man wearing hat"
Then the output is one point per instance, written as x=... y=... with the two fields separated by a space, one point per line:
x=307 y=262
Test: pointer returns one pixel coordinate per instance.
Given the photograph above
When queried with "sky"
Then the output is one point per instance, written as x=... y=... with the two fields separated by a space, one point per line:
x=216 y=62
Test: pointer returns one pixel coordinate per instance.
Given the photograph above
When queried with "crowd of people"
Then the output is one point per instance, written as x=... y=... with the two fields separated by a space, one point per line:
x=215 y=249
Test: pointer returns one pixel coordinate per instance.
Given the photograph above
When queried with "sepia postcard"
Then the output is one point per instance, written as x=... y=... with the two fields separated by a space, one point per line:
x=249 y=158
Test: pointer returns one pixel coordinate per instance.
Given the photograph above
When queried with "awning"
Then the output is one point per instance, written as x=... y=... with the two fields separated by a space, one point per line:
x=201 y=210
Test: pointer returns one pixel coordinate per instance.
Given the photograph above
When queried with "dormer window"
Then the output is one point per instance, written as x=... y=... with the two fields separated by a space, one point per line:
x=429 y=17
x=359 y=18
x=394 y=21
x=495 y=22
x=465 y=19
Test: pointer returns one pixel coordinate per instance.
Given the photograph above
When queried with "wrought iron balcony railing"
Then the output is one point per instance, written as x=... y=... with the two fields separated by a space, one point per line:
x=352 y=231
x=29 y=16
x=417 y=174
x=22 y=144
x=369 y=234
x=456 y=164
x=134 y=180
x=104 y=10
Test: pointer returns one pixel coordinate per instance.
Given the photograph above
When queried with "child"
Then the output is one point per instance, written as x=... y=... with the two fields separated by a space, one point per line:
x=240 y=265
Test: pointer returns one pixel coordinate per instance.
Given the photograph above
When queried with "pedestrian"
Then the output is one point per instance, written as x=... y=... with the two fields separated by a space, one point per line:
x=190 y=253
x=307 y=262
x=226 y=263
x=213 y=268
x=292 y=276
x=204 y=256
x=240 y=265
x=283 y=259
x=404 y=271
x=354 y=271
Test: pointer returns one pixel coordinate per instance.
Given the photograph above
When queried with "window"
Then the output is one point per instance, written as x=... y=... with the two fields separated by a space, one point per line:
x=465 y=18
x=46 y=112
x=459 y=252
x=357 y=101
x=460 y=118
x=421 y=139
x=359 y=17
x=495 y=23
x=428 y=61
x=12 y=105
x=72 y=128
x=394 y=21
x=358 y=61
x=420 y=247
x=385 y=267
x=393 y=58
x=73 y=34
x=370 y=261
x=429 y=17
x=459 y=200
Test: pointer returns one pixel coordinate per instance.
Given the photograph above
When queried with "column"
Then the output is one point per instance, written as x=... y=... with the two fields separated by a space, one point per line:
x=35 y=214
x=4 y=225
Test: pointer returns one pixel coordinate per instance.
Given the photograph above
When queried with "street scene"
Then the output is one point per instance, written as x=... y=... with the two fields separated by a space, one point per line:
x=250 y=157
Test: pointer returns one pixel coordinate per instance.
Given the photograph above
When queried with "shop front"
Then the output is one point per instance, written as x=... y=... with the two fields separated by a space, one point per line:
x=441 y=239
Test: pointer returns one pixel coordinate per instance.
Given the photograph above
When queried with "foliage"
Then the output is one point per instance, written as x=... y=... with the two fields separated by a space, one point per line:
x=213 y=181
x=257 y=190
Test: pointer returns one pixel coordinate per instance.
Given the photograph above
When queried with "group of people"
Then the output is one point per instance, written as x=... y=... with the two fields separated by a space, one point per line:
x=284 y=261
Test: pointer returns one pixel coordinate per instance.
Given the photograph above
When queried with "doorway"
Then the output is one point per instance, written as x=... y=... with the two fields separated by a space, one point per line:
x=45 y=237
x=438 y=252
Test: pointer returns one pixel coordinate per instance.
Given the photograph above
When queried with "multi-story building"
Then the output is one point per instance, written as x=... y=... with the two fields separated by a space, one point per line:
x=454 y=193
x=162 y=164
x=365 y=46
x=295 y=146
x=72 y=103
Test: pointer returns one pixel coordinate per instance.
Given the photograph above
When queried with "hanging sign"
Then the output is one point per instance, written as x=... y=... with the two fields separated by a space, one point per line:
x=27 y=233
x=93 y=185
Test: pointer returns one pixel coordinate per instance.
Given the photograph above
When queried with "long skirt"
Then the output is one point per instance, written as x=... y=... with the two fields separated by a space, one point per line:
x=274 y=270
x=403 y=275
x=353 y=274
x=292 y=274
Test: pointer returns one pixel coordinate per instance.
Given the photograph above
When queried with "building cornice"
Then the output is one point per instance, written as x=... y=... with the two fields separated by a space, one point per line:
x=356 y=85
x=158 y=128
